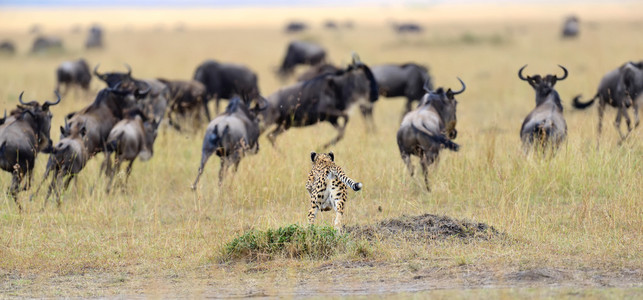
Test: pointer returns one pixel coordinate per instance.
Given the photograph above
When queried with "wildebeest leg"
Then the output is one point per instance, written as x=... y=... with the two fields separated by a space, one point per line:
x=112 y=173
x=601 y=112
x=272 y=137
x=340 y=129
x=367 y=113
x=58 y=189
x=224 y=167
x=216 y=104
x=52 y=186
x=407 y=107
x=407 y=160
x=617 y=122
x=129 y=170
x=44 y=178
x=15 y=185
x=424 y=163
x=204 y=159
x=635 y=106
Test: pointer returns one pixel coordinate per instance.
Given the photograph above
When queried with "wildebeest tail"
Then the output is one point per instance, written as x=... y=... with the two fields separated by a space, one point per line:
x=3 y=147
x=542 y=130
x=580 y=105
x=113 y=144
x=439 y=138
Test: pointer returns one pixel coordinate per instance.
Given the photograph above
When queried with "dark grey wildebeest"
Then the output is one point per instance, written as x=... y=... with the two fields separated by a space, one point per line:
x=403 y=80
x=295 y=26
x=570 y=27
x=230 y=136
x=226 y=80
x=612 y=90
x=407 y=27
x=22 y=135
x=187 y=101
x=155 y=101
x=429 y=128
x=324 y=98
x=73 y=73
x=301 y=53
x=47 y=43
x=317 y=70
x=94 y=38
x=545 y=126
x=131 y=138
x=7 y=47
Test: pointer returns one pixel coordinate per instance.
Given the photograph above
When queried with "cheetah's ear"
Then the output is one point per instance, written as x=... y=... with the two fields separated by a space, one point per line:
x=313 y=155
x=332 y=156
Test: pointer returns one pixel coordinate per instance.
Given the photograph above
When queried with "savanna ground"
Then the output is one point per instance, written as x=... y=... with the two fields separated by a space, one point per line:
x=570 y=225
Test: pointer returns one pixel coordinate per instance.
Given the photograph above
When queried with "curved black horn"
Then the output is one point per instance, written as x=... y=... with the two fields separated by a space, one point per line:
x=129 y=70
x=463 y=87
x=564 y=75
x=96 y=72
x=142 y=93
x=426 y=86
x=28 y=103
x=48 y=104
x=520 y=73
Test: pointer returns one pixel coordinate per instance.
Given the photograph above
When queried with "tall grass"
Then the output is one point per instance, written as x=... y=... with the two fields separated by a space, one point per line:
x=581 y=208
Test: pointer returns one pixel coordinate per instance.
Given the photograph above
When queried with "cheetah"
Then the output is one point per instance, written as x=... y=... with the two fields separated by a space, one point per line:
x=327 y=187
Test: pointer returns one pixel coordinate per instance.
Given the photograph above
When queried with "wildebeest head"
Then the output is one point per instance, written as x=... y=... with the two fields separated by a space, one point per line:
x=39 y=117
x=354 y=81
x=445 y=104
x=632 y=74
x=542 y=85
x=125 y=81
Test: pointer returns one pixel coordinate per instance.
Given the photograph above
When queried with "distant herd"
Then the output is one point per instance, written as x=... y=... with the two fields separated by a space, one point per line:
x=125 y=116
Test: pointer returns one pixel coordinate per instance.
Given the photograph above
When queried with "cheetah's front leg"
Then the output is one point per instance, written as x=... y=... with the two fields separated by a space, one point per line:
x=339 y=197
x=312 y=213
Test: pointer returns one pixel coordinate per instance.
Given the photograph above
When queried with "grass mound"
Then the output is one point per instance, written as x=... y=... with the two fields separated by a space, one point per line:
x=426 y=227
x=293 y=241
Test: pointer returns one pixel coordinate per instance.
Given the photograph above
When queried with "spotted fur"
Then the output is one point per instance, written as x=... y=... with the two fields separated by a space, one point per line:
x=327 y=187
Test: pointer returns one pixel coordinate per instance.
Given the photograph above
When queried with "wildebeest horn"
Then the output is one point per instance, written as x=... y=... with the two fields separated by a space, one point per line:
x=29 y=103
x=564 y=75
x=426 y=86
x=520 y=74
x=463 y=87
x=142 y=93
x=48 y=104
x=129 y=70
x=356 y=59
x=96 y=72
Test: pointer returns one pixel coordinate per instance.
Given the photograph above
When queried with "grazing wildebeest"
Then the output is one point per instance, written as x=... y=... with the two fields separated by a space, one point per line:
x=153 y=104
x=570 y=27
x=324 y=98
x=407 y=27
x=317 y=70
x=301 y=53
x=47 y=43
x=230 y=136
x=226 y=80
x=7 y=47
x=22 y=135
x=330 y=24
x=130 y=138
x=612 y=90
x=295 y=26
x=73 y=73
x=429 y=128
x=405 y=80
x=545 y=126
x=67 y=159
x=187 y=100
x=95 y=37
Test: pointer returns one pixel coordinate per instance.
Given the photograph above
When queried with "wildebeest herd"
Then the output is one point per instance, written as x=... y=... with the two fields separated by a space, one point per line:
x=123 y=120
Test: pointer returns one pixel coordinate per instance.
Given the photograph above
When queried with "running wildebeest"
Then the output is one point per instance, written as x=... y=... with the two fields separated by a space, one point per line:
x=95 y=37
x=570 y=27
x=7 y=47
x=24 y=133
x=130 y=138
x=295 y=26
x=73 y=73
x=317 y=70
x=612 y=90
x=230 y=136
x=407 y=27
x=226 y=80
x=429 y=128
x=47 y=43
x=301 y=53
x=324 y=98
x=153 y=104
x=545 y=126
x=405 y=80
x=67 y=159
x=187 y=100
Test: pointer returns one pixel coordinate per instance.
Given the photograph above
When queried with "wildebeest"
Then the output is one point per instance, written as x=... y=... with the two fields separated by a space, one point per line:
x=230 y=136
x=612 y=90
x=7 y=47
x=324 y=98
x=407 y=27
x=330 y=24
x=295 y=26
x=22 y=135
x=570 y=27
x=301 y=53
x=545 y=126
x=67 y=159
x=130 y=138
x=187 y=100
x=226 y=80
x=404 y=80
x=153 y=104
x=95 y=37
x=47 y=43
x=429 y=128
x=73 y=73
x=314 y=71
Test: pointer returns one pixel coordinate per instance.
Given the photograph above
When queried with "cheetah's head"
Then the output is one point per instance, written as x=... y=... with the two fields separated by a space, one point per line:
x=322 y=156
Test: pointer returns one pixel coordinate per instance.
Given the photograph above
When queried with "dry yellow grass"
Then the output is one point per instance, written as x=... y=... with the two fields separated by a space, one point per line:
x=581 y=210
